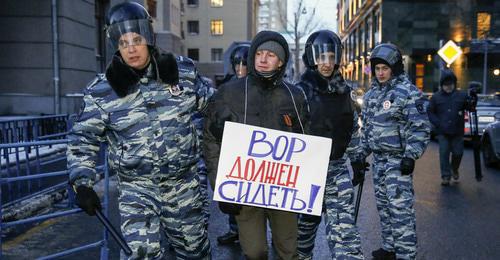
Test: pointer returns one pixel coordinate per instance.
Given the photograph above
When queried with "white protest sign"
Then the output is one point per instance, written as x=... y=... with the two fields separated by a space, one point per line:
x=272 y=169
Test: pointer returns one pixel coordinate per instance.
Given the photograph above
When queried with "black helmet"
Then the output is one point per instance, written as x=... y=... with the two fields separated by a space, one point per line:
x=240 y=55
x=319 y=43
x=389 y=54
x=129 y=17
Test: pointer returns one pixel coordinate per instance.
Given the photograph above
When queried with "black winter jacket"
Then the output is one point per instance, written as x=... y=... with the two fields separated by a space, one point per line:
x=446 y=112
x=255 y=101
x=332 y=109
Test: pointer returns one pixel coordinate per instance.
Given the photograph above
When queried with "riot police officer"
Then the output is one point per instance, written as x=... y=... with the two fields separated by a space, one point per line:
x=396 y=130
x=333 y=115
x=142 y=109
x=238 y=60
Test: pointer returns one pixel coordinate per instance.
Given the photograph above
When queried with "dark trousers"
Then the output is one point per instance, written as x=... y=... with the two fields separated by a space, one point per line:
x=454 y=145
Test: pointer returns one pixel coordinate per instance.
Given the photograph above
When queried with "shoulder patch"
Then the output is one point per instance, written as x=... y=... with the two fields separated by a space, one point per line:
x=421 y=105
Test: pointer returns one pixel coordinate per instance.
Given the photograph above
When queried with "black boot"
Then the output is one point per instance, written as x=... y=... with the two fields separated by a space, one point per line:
x=382 y=254
x=228 y=238
x=455 y=164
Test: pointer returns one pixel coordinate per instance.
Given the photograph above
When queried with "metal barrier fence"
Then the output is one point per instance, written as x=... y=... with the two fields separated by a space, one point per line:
x=59 y=182
x=26 y=160
x=33 y=164
x=32 y=128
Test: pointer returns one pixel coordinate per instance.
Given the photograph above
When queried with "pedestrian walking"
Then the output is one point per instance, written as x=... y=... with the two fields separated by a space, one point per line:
x=447 y=109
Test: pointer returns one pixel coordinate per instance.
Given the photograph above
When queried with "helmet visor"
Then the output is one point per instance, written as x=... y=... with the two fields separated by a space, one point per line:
x=325 y=54
x=240 y=60
x=130 y=33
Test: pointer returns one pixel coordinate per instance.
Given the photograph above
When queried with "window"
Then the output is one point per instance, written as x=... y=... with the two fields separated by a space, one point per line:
x=216 y=3
x=192 y=3
x=216 y=27
x=194 y=54
x=483 y=25
x=193 y=27
x=217 y=54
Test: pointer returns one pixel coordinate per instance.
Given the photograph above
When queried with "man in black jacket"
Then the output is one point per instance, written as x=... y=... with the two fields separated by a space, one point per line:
x=261 y=99
x=446 y=113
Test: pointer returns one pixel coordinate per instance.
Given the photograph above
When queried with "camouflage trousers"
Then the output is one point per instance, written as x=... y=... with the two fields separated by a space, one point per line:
x=394 y=198
x=172 y=206
x=338 y=211
x=203 y=175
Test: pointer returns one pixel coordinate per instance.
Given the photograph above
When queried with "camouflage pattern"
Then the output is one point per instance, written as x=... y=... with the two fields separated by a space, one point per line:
x=394 y=197
x=341 y=232
x=394 y=119
x=153 y=147
x=395 y=125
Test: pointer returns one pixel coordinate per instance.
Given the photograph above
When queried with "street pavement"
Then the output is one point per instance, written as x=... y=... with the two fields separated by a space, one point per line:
x=456 y=222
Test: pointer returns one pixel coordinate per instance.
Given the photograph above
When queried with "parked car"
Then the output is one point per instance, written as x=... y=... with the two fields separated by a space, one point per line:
x=490 y=143
x=487 y=106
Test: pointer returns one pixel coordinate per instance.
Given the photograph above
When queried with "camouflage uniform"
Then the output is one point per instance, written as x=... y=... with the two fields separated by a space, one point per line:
x=154 y=149
x=341 y=232
x=395 y=126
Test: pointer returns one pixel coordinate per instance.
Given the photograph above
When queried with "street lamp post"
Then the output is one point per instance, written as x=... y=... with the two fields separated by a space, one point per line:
x=485 y=65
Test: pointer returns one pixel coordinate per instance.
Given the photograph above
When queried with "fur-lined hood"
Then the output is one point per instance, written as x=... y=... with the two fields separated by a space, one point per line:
x=121 y=77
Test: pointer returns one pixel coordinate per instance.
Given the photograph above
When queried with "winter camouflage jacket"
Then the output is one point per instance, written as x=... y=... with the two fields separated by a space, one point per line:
x=394 y=119
x=147 y=131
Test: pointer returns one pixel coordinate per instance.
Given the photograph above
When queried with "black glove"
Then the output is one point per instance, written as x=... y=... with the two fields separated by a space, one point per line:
x=407 y=166
x=120 y=76
x=359 y=168
x=87 y=199
x=229 y=208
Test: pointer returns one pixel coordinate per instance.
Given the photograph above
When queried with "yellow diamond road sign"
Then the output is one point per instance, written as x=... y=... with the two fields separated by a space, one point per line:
x=450 y=52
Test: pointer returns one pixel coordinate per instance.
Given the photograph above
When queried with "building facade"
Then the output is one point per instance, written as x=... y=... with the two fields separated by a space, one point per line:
x=420 y=28
x=210 y=27
x=52 y=49
x=167 y=23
